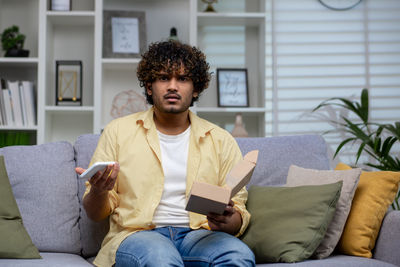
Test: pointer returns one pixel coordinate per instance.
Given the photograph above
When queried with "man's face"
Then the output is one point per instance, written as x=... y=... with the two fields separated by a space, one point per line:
x=172 y=93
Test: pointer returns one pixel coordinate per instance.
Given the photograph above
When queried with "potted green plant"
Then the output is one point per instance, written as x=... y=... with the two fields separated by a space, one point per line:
x=375 y=139
x=12 y=42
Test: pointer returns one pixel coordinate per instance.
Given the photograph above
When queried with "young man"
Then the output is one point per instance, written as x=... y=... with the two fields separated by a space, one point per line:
x=158 y=155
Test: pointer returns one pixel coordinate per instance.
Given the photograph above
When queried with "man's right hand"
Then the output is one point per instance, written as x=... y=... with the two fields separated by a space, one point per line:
x=103 y=180
x=96 y=202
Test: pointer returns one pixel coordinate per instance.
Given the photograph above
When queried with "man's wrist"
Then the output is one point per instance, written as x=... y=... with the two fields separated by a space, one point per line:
x=98 y=193
x=239 y=224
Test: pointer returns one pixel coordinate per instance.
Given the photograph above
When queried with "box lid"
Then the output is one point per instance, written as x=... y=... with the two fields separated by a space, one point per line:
x=241 y=173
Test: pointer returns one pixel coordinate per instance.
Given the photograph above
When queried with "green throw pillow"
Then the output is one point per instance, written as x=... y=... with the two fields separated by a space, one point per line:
x=15 y=242
x=288 y=223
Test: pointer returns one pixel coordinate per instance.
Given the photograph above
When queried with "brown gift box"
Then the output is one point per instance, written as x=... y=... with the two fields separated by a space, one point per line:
x=205 y=198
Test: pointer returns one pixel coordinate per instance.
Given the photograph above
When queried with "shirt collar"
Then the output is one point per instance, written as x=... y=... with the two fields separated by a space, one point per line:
x=199 y=127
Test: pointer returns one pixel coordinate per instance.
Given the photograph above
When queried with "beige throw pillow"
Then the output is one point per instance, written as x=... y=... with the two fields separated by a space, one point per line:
x=298 y=176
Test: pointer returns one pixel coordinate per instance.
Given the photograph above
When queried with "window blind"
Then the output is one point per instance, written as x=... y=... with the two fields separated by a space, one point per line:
x=314 y=53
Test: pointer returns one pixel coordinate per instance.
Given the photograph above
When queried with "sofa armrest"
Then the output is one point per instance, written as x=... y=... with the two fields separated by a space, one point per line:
x=388 y=242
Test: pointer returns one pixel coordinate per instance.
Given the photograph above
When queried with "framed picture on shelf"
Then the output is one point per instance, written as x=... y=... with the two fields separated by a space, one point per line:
x=232 y=88
x=69 y=83
x=60 y=5
x=124 y=34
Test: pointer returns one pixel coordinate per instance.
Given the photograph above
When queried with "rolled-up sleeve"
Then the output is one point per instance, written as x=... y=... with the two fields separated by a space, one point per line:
x=106 y=150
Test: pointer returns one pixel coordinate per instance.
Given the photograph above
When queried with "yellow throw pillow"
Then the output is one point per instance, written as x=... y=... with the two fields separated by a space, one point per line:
x=374 y=194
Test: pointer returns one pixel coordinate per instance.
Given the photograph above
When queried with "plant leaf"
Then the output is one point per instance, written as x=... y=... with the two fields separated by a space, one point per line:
x=364 y=109
x=360 y=150
x=342 y=144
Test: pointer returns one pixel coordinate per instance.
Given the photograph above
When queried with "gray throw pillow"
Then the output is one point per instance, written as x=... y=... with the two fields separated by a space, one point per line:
x=45 y=188
x=300 y=176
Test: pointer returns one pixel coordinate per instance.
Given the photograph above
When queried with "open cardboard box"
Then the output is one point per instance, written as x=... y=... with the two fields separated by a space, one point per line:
x=205 y=198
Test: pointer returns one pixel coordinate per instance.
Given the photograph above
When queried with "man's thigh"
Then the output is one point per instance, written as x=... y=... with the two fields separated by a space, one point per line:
x=147 y=248
x=208 y=248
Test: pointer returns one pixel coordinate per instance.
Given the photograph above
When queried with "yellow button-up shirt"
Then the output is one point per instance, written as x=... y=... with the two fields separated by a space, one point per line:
x=133 y=142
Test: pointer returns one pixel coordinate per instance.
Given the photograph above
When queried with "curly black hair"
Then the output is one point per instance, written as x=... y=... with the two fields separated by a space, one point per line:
x=170 y=56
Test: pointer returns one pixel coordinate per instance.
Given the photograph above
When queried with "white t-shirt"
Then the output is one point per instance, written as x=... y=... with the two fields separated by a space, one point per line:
x=174 y=153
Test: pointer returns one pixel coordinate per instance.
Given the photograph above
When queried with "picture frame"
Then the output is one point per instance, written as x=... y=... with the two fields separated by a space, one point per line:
x=232 y=87
x=124 y=34
x=68 y=83
x=60 y=5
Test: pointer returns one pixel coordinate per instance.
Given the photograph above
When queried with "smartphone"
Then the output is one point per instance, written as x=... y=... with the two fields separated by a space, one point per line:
x=98 y=166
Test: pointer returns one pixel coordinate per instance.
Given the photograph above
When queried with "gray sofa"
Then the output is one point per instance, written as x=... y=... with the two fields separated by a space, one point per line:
x=48 y=193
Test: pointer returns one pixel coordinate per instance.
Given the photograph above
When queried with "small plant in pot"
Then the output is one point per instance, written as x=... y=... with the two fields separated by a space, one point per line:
x=12 y=42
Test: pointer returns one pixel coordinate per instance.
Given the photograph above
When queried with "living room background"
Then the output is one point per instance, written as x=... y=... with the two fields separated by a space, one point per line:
x=297 y=52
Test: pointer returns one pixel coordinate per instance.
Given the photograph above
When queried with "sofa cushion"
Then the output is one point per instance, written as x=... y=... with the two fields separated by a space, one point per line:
x=300 y=176
x=334 y=261
x=388 y=241
x=44 y=183
x=92 y=233
x=288 y=223
x=374 y=194
x=49 y=260
x=276 y=154
x=15 y=243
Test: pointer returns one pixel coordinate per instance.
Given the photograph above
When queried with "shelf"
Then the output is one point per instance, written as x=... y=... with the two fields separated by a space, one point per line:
x=19 y=62
x=18 y=128
x=215 y=19
x=228 y=110
x=71 y=17
x=119 y=63
x=69 y=109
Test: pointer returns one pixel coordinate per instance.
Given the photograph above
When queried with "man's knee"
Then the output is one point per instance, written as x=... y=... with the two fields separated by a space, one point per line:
x=216 y=248
x=147 y=249
x=236 y=253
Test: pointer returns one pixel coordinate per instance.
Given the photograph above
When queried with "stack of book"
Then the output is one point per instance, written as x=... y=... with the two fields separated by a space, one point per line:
x=16 y=138
x=17 y=104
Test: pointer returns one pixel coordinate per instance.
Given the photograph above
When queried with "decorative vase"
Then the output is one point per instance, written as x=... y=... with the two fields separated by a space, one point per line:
x=209 y=7
x=173 y=34
x=238 y=129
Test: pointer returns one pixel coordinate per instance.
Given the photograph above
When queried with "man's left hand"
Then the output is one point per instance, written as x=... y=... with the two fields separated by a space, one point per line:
x=229 y=222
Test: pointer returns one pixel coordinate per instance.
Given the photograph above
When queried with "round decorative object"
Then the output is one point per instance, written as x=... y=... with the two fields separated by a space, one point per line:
x=127 y=102
x=340 y=4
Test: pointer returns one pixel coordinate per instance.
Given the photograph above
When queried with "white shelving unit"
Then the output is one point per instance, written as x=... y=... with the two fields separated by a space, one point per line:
x=68 y=35
x=25 y=14
x=252 y=17
x=77 y=35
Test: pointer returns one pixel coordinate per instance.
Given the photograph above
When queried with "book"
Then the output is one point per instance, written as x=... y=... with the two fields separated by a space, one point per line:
x=8 y=107
x=205 y=198
x=13 y=138
x=16 y=102
x=30 y=100
x=2 y=109
x=23 y=104
x=3 y=116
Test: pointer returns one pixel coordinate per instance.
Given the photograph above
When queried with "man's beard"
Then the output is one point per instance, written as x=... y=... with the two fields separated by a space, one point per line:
x=172 y=109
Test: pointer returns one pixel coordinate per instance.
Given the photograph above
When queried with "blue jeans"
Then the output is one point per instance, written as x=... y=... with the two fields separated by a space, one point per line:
x=177 y=246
